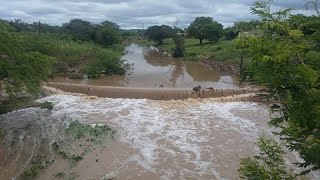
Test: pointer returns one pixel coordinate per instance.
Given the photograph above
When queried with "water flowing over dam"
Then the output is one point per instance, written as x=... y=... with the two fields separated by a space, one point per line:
x=161 y=127
x=149 y=93
x=158 y=76
x=190 y=139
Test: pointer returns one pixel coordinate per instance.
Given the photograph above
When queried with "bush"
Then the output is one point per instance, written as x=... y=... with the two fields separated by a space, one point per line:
x=105 y=62
x=270 y=164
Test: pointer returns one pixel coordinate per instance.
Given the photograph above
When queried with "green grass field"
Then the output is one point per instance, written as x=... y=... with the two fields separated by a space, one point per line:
x=220 y=51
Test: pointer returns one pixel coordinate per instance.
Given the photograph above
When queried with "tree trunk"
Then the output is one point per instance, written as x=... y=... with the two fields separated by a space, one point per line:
x=201 y=41
x=241 y=63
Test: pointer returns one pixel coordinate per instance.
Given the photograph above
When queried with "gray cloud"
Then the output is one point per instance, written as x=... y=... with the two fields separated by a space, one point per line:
x=135 y=13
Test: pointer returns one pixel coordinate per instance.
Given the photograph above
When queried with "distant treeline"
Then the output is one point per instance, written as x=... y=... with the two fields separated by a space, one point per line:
x=105 y=33
x=30 y=53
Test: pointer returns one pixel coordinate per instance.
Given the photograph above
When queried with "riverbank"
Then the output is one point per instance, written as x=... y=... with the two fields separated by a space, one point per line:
x=222 y=51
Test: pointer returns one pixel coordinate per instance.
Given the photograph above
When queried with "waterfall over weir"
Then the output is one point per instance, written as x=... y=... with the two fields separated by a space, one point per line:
x=149 y=93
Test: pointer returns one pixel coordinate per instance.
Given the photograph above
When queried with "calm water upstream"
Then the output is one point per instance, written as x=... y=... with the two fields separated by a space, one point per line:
x=191 y=139
x=152 y=69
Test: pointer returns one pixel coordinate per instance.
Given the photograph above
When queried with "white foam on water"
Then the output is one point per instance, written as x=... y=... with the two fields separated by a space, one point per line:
x=204 y=139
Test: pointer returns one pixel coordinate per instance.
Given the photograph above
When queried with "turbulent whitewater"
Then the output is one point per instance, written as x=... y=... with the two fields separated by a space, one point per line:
x=191 y=139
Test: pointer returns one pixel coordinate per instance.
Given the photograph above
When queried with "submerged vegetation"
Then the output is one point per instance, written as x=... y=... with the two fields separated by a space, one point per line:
x=38 y=163
x=95 y=132
x=280 y=52
x=46 y=105
x=88 y=136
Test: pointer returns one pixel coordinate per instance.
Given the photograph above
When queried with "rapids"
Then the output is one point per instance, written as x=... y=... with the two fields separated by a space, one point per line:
x=191 y=139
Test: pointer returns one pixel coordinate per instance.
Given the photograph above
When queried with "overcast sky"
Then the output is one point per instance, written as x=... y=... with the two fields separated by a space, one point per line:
x=135 y=13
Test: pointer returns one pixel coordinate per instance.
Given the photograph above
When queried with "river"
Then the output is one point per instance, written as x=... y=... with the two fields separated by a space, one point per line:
x=152 y=69
x=190 y=139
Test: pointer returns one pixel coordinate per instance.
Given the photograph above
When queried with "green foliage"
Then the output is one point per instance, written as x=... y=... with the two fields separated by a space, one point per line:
x=179 y=49
x=80 y=29
x=213 y=31
x=282 y=61
x=230 y=33
x=5 y=26
x=111 y=24
x=66 y=155
x=38 y=163
x=205 y=28
x=108 y=34
x=46 y=105
x=221 y=51
x=246 y=26
x=21 y=69
x=268 y=165
x=159 y=33
x=80 y=130
x=105 y=62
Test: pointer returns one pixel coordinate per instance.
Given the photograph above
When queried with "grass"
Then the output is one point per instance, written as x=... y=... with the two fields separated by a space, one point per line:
x=221 y=51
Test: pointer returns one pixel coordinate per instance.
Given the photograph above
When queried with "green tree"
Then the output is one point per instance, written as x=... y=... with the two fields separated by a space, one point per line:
x=105 y=61
x=268 y=165
x=20 y=26
x=179 y=46
x=80 y=29
x=21 y=70
x=107 y=34
x=205 y=28
x=112 y=24
x=159 y=33
x=230 y=33
x=246 y=26
x=279 y=61
x=214 y=31
x=5 y=26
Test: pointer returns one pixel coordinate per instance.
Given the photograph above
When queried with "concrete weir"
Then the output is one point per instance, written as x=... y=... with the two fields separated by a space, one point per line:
x=149 y=93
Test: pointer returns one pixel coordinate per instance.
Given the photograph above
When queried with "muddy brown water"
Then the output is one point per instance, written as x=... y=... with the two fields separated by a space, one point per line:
x=151 y=68
x=191 y=139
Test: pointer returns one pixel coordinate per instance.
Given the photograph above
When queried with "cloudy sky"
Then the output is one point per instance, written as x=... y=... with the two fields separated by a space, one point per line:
x=135 y=13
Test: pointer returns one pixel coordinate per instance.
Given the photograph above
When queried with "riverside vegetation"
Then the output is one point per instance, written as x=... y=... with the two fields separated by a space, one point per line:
x=280 y=51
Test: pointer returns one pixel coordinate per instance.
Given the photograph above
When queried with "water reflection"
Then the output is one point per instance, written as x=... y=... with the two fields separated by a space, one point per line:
x=151 y=68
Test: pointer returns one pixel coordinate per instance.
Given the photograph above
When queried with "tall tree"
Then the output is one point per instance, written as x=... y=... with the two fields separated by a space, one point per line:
x=80 y=29
x=205 y=28
x=246 y=26
x=214 y=31
x=107 y=33
x=279 y=61
x=159 y=33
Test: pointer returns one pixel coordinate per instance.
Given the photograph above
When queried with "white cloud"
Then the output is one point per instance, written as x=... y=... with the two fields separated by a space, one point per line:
x=133 y=13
